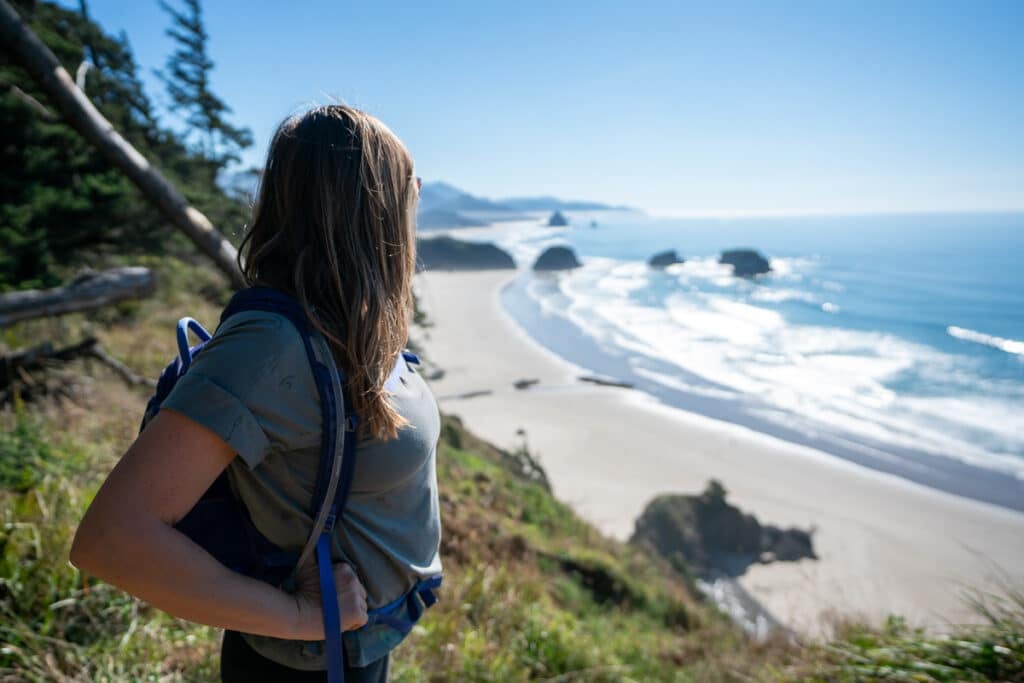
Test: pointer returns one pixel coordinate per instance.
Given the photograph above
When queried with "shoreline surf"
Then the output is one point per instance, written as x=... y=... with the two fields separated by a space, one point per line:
x=885 y=545
x=673 y=387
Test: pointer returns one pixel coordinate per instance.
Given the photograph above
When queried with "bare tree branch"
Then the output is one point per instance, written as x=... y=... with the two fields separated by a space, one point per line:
x=31 y=54
x=83 y=69
x=126 y=373
x=33 y=104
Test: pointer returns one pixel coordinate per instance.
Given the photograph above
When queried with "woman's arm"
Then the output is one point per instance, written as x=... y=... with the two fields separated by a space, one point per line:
x=127 y=539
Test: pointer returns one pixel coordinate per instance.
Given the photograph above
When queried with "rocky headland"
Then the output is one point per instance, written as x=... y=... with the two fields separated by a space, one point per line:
x=709 y=536
x=447 y=253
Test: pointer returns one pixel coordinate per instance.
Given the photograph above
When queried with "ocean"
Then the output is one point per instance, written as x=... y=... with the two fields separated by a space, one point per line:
x=896 y=342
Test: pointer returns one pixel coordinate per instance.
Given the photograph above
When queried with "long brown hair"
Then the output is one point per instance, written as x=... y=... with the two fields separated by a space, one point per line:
x=333 y=225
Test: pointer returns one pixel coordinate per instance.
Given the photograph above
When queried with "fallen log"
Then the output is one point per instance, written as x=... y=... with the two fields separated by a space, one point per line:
x=87 y=292
x=35 y=57
x=16 y=367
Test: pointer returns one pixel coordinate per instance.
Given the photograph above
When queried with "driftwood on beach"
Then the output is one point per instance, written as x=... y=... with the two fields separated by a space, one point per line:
x=30 y=53
x=87 y=292
x=604 y=382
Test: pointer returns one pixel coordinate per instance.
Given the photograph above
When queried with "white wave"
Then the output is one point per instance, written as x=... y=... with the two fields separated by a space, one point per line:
x=818 y=378
x=1008 y=345
x=776 y=296
x=696 y=270
x=624 y=278
x=791 y=268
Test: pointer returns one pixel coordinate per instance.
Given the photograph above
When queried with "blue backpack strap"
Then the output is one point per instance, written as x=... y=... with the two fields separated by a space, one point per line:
x=328 y=589
x=332 y=615
x=272 y=300
x=185 y=351
x=388 y=614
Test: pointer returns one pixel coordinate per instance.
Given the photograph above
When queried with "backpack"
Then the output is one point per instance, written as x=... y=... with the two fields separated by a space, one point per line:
x=221 y=524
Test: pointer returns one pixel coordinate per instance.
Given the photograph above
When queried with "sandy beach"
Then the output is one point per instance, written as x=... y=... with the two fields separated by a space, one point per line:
x=885 y=545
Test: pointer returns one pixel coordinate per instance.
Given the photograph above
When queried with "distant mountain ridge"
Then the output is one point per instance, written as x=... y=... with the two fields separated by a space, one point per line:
x=556 y=204
x=443 y=205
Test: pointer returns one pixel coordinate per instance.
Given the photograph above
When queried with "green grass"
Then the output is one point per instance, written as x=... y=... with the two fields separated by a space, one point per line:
x=53 y=624
x=993 y=651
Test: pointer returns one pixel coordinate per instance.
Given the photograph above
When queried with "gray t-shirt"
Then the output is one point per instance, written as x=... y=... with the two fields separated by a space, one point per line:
x=252 y=386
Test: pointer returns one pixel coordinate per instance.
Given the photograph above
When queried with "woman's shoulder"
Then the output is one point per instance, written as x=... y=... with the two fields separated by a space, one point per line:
x=252 y=384
x=259 y=329
x=260 y=350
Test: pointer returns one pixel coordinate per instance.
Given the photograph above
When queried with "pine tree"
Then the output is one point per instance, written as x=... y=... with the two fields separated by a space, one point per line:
x=187 y=79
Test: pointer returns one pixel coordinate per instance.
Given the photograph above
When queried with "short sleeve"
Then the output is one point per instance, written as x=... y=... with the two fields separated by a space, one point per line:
x=252 y=386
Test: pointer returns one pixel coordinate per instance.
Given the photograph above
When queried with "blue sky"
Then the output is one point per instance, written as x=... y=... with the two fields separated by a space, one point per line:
x=725 y=107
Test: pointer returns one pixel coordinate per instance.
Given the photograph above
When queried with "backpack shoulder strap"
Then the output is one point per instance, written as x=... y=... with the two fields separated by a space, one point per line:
x=334 y=476
x=330 y=392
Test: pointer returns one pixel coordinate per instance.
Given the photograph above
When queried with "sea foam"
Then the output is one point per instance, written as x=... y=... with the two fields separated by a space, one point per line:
x=729 y=336
x=1008 y=345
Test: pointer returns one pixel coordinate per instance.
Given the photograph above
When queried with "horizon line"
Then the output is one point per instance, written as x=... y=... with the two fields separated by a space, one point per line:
x=811 y=213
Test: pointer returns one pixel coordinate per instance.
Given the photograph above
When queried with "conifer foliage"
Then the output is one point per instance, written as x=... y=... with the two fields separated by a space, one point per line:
x=187 y=78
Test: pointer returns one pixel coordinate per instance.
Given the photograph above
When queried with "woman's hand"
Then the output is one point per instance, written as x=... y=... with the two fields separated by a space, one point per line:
x=351 y=599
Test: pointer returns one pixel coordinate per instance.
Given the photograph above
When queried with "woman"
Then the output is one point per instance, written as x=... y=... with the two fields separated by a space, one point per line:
x=333 y=226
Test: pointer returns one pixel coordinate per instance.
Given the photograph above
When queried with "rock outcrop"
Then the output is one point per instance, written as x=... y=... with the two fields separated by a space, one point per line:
x=558 y=220
x=664 y=259
x=556 y=258
x=708 y=536
x=745 y=262
x=447 y=253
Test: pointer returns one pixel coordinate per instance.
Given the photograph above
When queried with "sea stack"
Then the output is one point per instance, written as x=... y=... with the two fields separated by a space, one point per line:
x=708 y=535
x=558 y=220
x=556 y=258
x=745 y=262
x=446 y=253
x=664 y=259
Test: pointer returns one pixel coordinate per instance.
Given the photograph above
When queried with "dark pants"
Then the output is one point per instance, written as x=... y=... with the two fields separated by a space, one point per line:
x=240 y=663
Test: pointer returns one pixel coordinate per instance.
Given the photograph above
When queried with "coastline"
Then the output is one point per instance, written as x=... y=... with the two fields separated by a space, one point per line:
x=961 y=477
x=886 y=545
